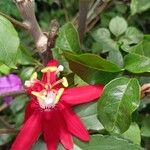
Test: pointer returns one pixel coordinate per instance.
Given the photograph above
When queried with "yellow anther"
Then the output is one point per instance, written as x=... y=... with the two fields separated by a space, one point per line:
x=46 y=86
x=49 y=69
x=59 y=94
x=65 y=82
x=33 y=76
x=38 y=95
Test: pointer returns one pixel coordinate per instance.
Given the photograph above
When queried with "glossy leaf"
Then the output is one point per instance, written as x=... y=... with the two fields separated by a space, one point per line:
x=8 y=50
x=68 y=38
x=118 y=25
x=137 y=63
x=99 y=142
x=117 y=103
x=92 y=71
x=133 y=134
x=88 y=114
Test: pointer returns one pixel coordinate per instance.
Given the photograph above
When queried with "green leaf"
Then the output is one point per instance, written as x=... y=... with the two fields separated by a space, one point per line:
x=138 y=6
x=18 y=103
x=99 y=142
x=9 y=7
x=88 y=114
x=5 y=138
x=102 y=36
x=118 y=101
x=25 y=57
x=26 y=73
x=4 y=69
x=98 y=71
x=8 y=50
x=145 y=129
x=68 y=38
x=40 y=145
x=132 y=36
x=137 y=63
x=98 y=63
x=133 y=133
x=146 y=45
x=118 y=25
x=116 y=57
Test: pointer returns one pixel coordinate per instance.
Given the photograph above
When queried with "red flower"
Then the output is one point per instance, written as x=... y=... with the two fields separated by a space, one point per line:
x=49 y=111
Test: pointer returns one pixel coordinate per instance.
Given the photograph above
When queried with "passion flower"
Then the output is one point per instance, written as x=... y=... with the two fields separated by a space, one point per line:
x=49 y=110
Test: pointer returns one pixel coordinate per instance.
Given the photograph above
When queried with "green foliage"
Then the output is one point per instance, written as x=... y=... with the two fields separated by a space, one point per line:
x=114 y=52
x=8 y=50
x=106 y=143
x=68 y=38
x=118 y=26
x=118 y=95
x=138 y=6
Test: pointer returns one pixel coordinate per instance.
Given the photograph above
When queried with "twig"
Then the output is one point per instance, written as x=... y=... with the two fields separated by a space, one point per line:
x=3 y=106
x=53 y=30
x=95 y=10
x=83 y=11
x=6 y=124
x=14 y=21
x=27 y=10
x=7 y=131
x=12 y=93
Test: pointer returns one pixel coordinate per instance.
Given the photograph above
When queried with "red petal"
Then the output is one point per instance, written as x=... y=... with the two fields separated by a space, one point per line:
x=74 y=125
x=29 y=133
x=83 y=94
x=65 y=136
x=51 y=130
x=30 y=108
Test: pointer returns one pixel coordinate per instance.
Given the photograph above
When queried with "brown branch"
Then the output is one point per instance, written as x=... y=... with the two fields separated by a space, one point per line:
x=97 y=7
x=83 y=11
x=27 y=10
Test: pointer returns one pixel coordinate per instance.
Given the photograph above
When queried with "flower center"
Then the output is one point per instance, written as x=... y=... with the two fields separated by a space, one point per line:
x=48 y=100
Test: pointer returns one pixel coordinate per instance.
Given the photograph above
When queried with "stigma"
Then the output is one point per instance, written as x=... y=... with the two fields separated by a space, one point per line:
x=48 y=99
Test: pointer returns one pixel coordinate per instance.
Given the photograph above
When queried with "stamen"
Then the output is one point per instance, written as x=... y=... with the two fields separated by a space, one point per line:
x=59 y=94
x=49 y=69
x=65 y=82
x=33 y=76
x=60 y=68
x=38 y=95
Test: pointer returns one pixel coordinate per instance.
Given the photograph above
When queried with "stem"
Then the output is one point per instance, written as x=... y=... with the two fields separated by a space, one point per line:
x=83 y=10
x=12 y=93
x=3 y=106
x=14 y=21
x=7 y=131
x=53 y=30
x=27 y=10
